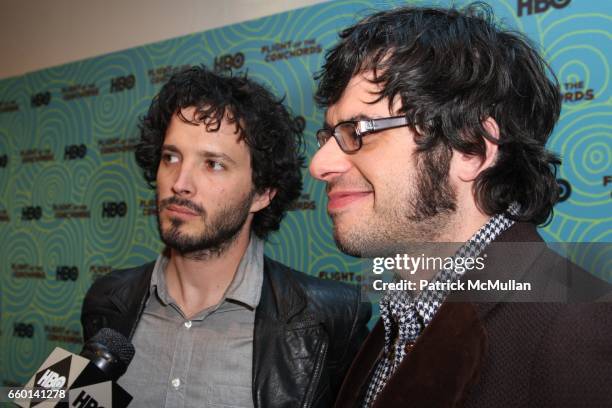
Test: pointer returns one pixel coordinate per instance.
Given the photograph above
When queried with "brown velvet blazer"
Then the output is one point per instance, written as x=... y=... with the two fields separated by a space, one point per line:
x=501 y=354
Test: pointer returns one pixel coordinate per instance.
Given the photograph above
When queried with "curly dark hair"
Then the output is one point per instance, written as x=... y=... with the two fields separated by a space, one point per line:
x=273 y=135
x=452 y=69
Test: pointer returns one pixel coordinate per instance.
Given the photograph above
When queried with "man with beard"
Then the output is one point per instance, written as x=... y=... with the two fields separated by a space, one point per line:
x=214 y=322
x=435 y=129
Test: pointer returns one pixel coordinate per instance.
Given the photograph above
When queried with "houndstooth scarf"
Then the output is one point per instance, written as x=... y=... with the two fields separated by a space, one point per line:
x=404 y=318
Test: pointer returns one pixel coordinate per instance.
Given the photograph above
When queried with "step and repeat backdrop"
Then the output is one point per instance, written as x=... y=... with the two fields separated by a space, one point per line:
x=73 y=204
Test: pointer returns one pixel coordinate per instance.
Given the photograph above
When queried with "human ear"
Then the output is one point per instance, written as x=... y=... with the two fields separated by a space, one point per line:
x=263 y=199
x=470 y=166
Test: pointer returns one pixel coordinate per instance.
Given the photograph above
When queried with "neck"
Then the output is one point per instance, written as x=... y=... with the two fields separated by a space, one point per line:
x=458 y=229
x=471 y=221
x=197 y=283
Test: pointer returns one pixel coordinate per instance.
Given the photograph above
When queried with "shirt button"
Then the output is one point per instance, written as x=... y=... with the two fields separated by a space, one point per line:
x=188 y=324
x=176 y=383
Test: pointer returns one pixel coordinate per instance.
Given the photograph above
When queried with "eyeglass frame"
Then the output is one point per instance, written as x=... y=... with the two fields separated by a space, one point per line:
x=362 y=128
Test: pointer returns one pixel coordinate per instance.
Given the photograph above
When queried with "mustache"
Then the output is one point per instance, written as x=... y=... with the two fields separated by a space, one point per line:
x=181 y=202
x=348 y=184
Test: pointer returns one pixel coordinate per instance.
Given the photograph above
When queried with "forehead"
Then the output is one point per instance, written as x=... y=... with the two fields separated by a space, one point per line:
x=184 y=127
x=358 y=100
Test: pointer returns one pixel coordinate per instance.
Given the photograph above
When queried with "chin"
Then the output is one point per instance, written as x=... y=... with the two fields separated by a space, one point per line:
x=347 y=242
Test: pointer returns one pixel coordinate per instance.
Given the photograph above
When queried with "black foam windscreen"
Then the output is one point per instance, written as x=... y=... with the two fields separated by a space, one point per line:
x=116 y=343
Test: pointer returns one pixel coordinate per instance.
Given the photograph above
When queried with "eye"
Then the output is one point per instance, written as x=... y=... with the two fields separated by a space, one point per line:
x=215 y=165
x=170 y=158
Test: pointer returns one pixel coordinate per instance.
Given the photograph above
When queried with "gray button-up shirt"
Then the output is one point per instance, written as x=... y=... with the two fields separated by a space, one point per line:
x=203 y=362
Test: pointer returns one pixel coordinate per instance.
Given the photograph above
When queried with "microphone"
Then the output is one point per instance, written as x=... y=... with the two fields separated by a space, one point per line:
x=110 y=351
x=89 y=378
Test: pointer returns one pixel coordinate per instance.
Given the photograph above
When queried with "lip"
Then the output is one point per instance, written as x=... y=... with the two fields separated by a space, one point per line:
x=341 y=199
x=177 y=209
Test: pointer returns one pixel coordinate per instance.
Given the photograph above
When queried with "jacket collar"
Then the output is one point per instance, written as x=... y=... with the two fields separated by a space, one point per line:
x=130 y=299
x=510 y=257
x=281 y=296
x=284 y=330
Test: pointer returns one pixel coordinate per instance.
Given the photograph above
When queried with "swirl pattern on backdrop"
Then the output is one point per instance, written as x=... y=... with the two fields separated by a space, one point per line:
x=74 y=204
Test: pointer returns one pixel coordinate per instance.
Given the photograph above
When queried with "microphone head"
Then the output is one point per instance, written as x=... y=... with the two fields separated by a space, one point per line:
x=110 y=351
x=116 y=343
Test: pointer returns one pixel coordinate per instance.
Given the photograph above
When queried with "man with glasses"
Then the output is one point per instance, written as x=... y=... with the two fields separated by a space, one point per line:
x=214 y=322
x=435 y=129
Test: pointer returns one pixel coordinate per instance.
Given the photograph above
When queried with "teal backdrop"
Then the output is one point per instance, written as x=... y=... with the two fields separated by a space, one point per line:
x=73 y=203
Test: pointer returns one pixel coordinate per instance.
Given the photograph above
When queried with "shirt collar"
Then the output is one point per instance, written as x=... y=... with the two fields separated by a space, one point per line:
x=248 y=280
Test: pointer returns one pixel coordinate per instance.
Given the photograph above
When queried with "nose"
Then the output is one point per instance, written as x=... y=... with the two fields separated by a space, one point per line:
x=184 y=185
x=329 y=162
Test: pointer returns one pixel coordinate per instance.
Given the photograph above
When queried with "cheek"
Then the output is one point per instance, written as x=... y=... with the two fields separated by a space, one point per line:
x=219 y=192
x=393 y=185
x=162 y=185
x=213 y=195
x=163 y=179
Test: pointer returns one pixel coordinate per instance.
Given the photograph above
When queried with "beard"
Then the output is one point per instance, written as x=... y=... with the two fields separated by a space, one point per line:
x=417 y=214
x=217 y=232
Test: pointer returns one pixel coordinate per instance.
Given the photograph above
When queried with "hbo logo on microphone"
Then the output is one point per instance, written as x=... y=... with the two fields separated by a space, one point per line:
x=112 y=209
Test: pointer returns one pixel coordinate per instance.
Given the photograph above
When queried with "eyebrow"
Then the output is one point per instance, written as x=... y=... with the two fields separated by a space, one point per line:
x=353 y=118
x=207 y=154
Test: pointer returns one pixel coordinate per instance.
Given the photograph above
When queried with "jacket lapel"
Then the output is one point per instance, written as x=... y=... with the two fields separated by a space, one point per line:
x=288 y=343
x=121 y=307
x=444 y=363
x=360 y=371
x=510 y=257
x=133 y=300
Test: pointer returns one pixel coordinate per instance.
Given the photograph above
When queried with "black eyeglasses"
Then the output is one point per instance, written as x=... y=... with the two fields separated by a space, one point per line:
x=348 y=134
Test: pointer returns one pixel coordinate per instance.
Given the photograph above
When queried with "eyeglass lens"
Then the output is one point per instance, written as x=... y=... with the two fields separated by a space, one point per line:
x=347 y=137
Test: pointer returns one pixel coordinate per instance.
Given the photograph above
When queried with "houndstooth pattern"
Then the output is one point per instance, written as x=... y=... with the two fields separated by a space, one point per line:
x=405 y=318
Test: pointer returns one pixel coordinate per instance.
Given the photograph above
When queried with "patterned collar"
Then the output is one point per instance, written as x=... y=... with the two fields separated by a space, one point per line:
x=428 y=301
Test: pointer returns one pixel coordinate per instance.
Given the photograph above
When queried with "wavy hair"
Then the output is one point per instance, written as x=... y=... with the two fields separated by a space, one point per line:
x=273 y=135
x=453 y=69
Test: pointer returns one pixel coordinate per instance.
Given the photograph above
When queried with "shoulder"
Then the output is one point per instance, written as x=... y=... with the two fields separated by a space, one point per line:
x=578 y=345
x=112 y=301
x=568 y=282
x=555 y=278
x=337 y=306
x=119 y=280
x=582 y=326
x=320 y=294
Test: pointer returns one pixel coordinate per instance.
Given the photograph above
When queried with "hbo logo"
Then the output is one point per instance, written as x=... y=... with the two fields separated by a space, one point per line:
x=72 y=152
x=31 y=213
x=114 y=209
x=122 y=83
x=23 y=330
x=539 y=6
x=66 y=273
x=228 y=61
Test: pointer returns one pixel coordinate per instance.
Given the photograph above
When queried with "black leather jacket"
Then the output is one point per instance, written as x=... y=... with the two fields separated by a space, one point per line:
x=307 y=330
